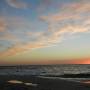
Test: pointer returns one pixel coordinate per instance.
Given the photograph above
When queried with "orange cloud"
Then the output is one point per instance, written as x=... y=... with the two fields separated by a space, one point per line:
x=69 y=19
x=2 y=25
x=74 y=12
x=42 y=41
x=79 y=61
x=69 y=13
x=9 y=37
x=13 y=50
x=60 y=16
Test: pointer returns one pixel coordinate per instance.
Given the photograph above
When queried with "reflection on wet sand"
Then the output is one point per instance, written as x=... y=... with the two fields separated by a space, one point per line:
x=21 y=82
x=15 y=82
x=87 y=82
x=30 y=84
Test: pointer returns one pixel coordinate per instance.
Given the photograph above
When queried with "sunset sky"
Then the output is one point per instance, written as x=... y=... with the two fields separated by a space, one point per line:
x=44 y=32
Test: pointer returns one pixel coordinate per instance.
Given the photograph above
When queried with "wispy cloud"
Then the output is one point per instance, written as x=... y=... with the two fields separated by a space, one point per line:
x=2 y=24
x=9 y=37
x=18 y=48
x=71 y=19
x=17 y=4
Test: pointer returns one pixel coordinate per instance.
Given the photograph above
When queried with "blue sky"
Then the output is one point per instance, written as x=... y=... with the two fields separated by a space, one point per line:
x=58 y=29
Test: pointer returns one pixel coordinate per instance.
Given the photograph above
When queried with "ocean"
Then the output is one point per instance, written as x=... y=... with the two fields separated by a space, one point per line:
x=69 y=72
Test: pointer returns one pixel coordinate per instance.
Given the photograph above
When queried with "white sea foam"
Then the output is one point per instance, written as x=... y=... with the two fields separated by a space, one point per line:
x=46 y=70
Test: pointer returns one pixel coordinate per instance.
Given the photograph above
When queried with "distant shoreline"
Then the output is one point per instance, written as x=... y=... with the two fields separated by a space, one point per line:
x=39 y=65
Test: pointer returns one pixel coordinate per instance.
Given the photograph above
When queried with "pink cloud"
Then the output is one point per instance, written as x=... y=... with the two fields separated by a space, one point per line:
x=17 y=4
x=2 y=24
x=54 y=34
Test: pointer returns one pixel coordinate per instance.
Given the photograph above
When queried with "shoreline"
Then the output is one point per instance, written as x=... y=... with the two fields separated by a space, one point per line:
x=38 y=83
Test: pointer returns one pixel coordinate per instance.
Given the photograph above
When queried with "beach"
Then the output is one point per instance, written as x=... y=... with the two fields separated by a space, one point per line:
x=28 y=82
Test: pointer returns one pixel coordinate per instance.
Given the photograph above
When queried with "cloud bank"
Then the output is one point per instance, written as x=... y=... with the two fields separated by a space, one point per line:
x=71 y=19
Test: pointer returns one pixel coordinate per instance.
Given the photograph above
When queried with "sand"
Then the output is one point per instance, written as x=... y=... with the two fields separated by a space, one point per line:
x=37 y=83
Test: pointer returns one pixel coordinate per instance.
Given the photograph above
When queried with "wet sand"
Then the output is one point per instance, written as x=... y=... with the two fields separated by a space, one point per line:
x=37 y=83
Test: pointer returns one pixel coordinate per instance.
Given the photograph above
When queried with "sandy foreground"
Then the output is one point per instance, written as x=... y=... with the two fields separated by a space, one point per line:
x=37 y=83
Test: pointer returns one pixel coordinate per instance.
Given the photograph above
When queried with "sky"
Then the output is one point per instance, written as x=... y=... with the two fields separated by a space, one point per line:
x=44 y=32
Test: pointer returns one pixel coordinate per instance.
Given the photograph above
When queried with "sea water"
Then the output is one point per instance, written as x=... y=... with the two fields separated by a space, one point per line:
x=47 y=71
